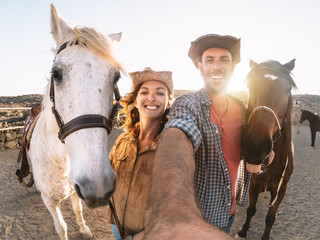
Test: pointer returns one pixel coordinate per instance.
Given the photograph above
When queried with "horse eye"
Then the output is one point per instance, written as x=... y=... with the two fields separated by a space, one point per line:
x=57 y=74
x=116 y=77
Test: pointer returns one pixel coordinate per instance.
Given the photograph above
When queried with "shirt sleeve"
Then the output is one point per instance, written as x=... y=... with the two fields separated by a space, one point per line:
x=183 y=115
x=242 y=183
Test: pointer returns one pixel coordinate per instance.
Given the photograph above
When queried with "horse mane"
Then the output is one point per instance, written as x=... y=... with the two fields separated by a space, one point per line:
x=307 y=111
x=97 y=43
x=311 y=113
x=288 y=124
x=274 y=66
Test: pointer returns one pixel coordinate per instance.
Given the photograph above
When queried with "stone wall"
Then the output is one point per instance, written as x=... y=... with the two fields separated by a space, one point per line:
x=10 y=139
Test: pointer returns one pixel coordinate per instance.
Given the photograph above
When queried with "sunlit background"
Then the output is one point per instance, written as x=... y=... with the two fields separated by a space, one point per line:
x=157 y=34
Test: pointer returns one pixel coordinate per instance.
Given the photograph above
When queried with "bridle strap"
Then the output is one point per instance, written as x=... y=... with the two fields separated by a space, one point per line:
x=265 y=108
x=84 y=121
x=116 y=103
x=115 y=217
x=53 y=108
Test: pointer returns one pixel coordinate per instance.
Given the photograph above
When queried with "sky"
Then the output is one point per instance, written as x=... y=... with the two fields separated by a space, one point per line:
x=158 y=34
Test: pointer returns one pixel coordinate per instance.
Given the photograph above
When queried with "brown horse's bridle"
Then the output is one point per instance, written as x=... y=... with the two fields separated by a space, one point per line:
x=83 y=121
x=265 y=108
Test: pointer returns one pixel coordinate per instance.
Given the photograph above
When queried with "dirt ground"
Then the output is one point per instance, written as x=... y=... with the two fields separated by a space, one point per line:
x=24 y=216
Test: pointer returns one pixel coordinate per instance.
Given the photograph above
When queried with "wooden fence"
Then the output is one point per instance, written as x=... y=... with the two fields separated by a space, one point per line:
x=10 y=137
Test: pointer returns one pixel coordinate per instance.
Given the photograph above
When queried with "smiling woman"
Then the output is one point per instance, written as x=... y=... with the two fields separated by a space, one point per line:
x=145 y=109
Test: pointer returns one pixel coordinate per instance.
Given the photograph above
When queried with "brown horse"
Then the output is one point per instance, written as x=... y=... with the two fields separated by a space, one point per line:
x=314 y=121
x=268 y=131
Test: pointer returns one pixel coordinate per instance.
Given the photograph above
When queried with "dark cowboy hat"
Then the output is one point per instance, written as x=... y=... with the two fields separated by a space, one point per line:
x=230 y=43
x=148 y=74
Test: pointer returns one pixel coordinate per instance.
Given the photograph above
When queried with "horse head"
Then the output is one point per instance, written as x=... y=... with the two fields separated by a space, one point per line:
x=303 y=116
x=83 y=79
x=269 y=106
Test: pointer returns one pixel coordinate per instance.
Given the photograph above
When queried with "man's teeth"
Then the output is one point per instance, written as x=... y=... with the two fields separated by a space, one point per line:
x=216 y=77
x=152 y=107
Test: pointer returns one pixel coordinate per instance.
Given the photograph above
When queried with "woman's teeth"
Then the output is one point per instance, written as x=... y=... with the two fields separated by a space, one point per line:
x=152 y=107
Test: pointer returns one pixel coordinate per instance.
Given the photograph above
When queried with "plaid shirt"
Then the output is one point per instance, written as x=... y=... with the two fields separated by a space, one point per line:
x=191 y=114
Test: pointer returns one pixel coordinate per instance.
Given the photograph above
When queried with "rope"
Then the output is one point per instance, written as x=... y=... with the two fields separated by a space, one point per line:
x=268 y=110
x=279 y=186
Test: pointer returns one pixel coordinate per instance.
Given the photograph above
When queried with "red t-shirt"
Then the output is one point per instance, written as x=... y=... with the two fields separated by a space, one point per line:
x=230 y=126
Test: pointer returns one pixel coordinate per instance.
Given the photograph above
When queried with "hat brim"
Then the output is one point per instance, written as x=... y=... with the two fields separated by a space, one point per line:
x=140 y=77
x=229 y=43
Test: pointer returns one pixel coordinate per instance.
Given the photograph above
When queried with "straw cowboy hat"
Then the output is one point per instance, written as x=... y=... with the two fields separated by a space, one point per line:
x=148 y=74
x=230 y=43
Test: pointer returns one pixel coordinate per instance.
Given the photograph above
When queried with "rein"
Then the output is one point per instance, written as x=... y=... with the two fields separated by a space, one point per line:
x=83 y=121
x=278 y=189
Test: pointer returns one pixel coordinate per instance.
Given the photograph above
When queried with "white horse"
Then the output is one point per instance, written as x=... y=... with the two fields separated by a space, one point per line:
x=77 y=104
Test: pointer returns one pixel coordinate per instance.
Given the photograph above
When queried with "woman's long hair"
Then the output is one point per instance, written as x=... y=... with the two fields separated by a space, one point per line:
x=129 y=117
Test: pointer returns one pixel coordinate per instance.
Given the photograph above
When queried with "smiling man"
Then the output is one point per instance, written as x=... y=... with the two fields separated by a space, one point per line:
x=205 y=129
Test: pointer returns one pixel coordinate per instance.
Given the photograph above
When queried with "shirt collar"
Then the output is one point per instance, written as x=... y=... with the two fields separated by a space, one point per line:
x=151 y=147
x=203 y=97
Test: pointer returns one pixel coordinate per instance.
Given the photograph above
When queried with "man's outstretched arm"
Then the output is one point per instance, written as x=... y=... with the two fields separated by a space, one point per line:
x=172 y=210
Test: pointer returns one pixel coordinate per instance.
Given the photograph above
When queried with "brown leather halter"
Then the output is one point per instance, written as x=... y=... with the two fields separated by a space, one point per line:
x=83 y=121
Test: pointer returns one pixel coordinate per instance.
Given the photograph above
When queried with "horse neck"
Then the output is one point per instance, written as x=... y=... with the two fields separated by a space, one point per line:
x=311 y=117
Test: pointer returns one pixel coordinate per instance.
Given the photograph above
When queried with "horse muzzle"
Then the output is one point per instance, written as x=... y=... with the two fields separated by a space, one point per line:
x=261 y=168
x=91 y=195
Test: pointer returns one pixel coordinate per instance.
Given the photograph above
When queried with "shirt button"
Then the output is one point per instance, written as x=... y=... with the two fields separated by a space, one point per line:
x=226 y=169
x=228 y=187
x=229 y=204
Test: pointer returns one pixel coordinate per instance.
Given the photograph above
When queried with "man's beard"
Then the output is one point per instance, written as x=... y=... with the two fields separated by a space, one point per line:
x=210 y=89
x=209 y=86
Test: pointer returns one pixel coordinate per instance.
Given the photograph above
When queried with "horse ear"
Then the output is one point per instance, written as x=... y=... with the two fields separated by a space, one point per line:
x=116 y=37
x=59 y=27
x=252 y=63
x=290 y=65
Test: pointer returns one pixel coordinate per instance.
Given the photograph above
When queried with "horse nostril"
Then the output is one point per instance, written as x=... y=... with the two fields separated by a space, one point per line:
x=78 y=191
x=89 y=200
x=107 y=196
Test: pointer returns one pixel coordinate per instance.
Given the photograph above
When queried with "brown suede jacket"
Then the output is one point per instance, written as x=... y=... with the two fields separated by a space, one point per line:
x=133 y=181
